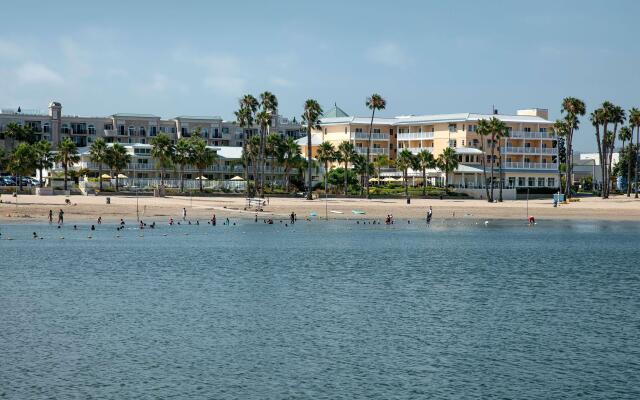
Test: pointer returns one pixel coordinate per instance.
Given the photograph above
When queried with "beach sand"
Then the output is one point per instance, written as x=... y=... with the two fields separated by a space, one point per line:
x=34 y=209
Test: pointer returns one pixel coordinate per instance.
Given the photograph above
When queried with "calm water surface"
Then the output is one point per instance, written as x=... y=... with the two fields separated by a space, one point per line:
x=322 y=311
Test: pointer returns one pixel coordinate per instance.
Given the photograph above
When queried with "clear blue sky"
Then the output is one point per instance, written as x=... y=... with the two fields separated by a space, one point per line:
x=186 y=57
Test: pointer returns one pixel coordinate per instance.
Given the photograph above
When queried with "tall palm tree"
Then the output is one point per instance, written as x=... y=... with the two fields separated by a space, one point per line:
x=253 y=155
x=382 y=161
x=245 y=118
x=597 y=117
x=448 y=162
x=572 y=108
x=98 y=154
x=182 y=157
x=426 y=160
x=362 y=168
x=501 y=131
x=202 y=157
x=311 y=118
x=624 y=135
x=483 y=130
x=618 y=117
x=291 y=158
x=263 y=118
x=269 y=107
x=494 y=129
x=162 y=150
x=67 y=155
x=326 y=153
x=561 y=129
x=405 y=160
x=374 y=102
x=117 y=159
x=274 y=151
x=43 y=157
x=346 y=154
x=634 y=122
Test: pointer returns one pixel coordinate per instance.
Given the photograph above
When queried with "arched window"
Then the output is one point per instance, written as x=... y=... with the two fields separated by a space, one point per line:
x=132 y=130
x=91 y=129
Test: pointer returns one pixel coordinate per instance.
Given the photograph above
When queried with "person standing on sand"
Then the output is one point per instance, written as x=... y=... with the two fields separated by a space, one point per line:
x=60 y=217
x=50 y=216
x=429 y=215
x=99 y=220
x=213 y=220
x=184 y=214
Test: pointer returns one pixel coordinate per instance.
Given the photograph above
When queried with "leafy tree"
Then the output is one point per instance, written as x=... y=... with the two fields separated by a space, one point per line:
x=425 y=160
x=448 y=162
x=22 y=162
x=43 y=157
x=346 y=154
x=203 y=156
x=326 y=153
x=311 y=118
x=290 y=158
x=162 y=151
x=67 y=155
x=405 y=160
x=98 y=155
x=337 y=177
x=117 y=159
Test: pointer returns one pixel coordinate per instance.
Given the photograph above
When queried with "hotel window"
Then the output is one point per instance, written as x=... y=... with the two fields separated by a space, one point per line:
x=452 y=143
x=520 y=181
x=532 y=181
x=108 y=127
x=205 y=133
x=543 y=130
x=121 y=130
x=184 y=131
x=65 y=129
x=527 y=145
x=462 y=142
x=376 y=130
x=132 y=130
x=45 y=127
x=512 y=181
x=173 y=129
x=540 y=182
x=143 y=132
x=91 y=129
x=358 y=130
x=551 y=182
x=225 y=129
x=453 y=127
x=527 y=129
x=153 y=131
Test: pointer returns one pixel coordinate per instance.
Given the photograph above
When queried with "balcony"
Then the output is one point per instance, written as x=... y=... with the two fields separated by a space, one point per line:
x=531 y=135
x=416 y=150
x=529 y=150
x=415 y=135
x=529 y=165
x=365 y=136
x=374 y=151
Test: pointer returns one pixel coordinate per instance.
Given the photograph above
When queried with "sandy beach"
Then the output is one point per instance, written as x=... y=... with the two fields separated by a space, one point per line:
x=34 y=209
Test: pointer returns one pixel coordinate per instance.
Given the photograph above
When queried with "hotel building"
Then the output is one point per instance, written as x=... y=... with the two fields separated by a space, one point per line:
x=529 y=154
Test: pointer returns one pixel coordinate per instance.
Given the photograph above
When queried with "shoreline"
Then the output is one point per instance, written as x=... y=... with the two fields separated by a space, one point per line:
x=31 y=208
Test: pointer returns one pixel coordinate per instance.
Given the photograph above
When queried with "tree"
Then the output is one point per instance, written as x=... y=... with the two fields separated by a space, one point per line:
x=67 y=155
x=162 y=151
x=18 y=133
x=362 y=168
x=43 y=157
x=22 y=161
x=202 y=156
x=252 y=156
x=245 y=118
x=346 y=154
x=618 y=117
x=483 y=130
x=290 y=158
x=98 y=155
x=501 y=131
x=561 y=129
x=448 y=162
x=382 y=161
x=274 y=151
x=311 y=118
x=182 y=157
x=405 y=161
x=572 y=108
x=269 y=109
x=634 y=122
x=425 y=160
x=326 y=153
x=375 y=102
x=624 y=135
x=117 y=159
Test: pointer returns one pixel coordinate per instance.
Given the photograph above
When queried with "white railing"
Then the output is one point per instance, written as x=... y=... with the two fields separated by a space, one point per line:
x=416 y=150
x=529 y=150
x=530 y=165
x=365 y=136
x=531 y=135
x=415 y=135
x=363 y=151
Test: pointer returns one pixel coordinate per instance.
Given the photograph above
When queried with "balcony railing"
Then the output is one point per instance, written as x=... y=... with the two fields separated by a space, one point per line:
x=529 y=165
x=416 y=150
x=365 y=136
x=374 y=151
x=531 y=135
x=529 y=150
x=415 y=135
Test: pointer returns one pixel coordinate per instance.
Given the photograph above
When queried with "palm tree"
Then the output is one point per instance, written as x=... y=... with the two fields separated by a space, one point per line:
x=561 y=129
x=572 y=108
x=269 y=107
x=182 y=157
x=624 y=135
x=252 y=155
x=425 y=160
x=245 y=118
x=326 y=153
x=362 y=168
x=43 y=157
x=291 y=158
x=375 y=102
x=382 y=161
x=618 y=117
x=448 y=162
x=22 y=161
x=67 y=155
x=263 y=118
x=346 y=154
x=162 y=150
x=483 y=130
x=202 y=157
x=12 y=131
x=98 y=154
x=634 y=122
x=501 y=131
x=311 y=118
x=274 y=151
x=117 y=159
x=405 y=161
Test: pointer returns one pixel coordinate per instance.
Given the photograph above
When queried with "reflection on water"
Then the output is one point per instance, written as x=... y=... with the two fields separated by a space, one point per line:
x=459 y=309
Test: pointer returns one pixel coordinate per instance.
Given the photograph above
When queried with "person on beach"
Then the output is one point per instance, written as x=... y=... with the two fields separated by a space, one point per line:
x=122 y=222
x=293 y=218
x=256 y=218
x=213 y=220
x=35 y=235
x=184 y=214
x=93 y=227
x=99 y=220
x=60 y=217
x=50 y=216
x=429 y=215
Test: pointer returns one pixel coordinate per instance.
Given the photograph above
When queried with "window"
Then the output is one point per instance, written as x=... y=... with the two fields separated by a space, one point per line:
x=46 y=128
x=153 y=130
x=225 y=129
x=173 y=129
x=65 y=129
x=184 y=131
x=527 y=129
x=512 y=181
x=376 y=130
x=121 y=130
x=143 y=132
x=91 y=129
x=452 y=143
x=205 y=133
x=108 y=127
x=79 y=128
x=532 y=181
x=132 y=130
x=527 y=145
x=551 y=182
x=540 y=182
x=472 y=128
x=520 y=181
x=453 y=127
x=462 y=142
x=543 y=130
x=358 y=130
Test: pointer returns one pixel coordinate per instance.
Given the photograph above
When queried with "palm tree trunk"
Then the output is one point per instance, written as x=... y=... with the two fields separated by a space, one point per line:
x=630 y=151
x=309 y=161
x=346 y=165
x=366 y=172
x=635 y=159
x=117 y=181
x=245 y=166
x=406 y=187
x=492 y=165
x=181 y=179
x=100 y=175
x=499 y=175
x=65 y=175
x=568 y=173
x=41 y=180
x=201 y=172
x=424 y=182
x=484 y=171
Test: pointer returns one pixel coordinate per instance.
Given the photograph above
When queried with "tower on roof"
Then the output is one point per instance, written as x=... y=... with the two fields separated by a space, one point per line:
x=335 y=112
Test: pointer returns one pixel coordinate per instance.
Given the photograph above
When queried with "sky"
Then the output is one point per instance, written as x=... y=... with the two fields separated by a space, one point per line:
x=173 y=58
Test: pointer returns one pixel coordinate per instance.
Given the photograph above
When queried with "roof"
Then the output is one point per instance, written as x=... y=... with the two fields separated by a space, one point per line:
x=357 y=120
x=335 y=112
x=432 y=119
x=129 y=115
x=315 y=140
x=199 y=117
x=467 y=150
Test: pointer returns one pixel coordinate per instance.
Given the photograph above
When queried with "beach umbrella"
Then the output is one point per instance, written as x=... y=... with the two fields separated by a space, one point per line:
x=105 y=176
x=374 y=180
x=201 y=178
x=122 y=176
x=237 y=178
x=388 y=179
